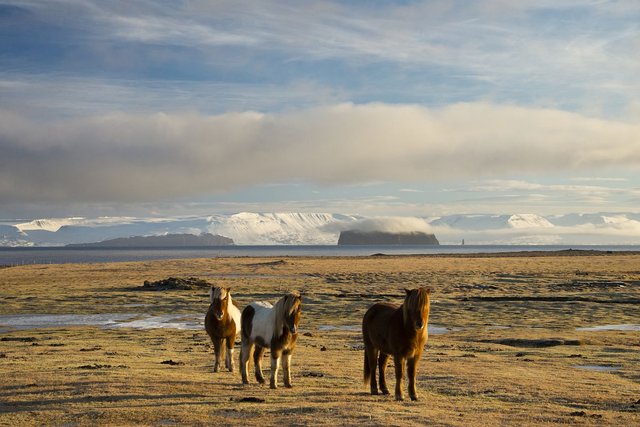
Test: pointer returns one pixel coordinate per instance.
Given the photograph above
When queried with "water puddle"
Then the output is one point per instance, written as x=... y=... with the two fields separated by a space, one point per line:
x=433 y=329
x=193 y=321
x=37 y=321
x=622 y=327
x=599 y=368
x=104 y=320
x=162 y=322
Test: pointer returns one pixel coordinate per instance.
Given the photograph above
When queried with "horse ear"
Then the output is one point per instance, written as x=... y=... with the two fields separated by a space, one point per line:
x=408 y=291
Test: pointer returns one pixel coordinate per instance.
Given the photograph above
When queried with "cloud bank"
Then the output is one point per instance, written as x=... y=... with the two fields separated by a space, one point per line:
x=383 y=224
x=126 y=157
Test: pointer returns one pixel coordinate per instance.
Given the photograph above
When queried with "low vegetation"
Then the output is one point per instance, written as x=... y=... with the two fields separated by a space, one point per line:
x=513 y=353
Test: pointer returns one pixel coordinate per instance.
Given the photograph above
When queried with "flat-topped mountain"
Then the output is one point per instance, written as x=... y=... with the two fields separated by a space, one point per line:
x=168 y=240
x=355 y=237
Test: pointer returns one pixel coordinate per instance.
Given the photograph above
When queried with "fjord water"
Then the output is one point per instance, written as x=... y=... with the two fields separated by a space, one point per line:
x=61 y=255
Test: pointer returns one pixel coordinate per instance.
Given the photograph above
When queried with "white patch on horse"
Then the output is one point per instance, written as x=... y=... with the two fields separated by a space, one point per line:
x=263 y=321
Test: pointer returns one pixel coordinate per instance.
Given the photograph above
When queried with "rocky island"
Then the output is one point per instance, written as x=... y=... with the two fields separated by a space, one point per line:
x=355 y=237
x=167 y=240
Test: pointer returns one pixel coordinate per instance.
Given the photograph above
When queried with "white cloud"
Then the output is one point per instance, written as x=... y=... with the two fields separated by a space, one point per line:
x=598 y=179
x=384 y=224
x=576 y=53
x=125 y=157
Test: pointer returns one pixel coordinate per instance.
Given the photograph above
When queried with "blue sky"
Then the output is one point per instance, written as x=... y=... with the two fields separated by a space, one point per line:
x=417 y=108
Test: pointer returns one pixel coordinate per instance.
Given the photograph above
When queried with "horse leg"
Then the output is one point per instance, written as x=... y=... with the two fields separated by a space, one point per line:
x=399 y=365
x=412 y=365
x=257 y=361
x=372 y=357
x=382 y=368
x=229 y=359
x=275 y=365
x=217 y=348
x=286 y=367
x=246 y=351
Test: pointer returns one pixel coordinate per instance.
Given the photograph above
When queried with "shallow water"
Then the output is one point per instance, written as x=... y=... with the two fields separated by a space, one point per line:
x=599 y=368
x=37 y=321
x=163 y=322
x=621 y=327
x=105 y=320
x=193 y=321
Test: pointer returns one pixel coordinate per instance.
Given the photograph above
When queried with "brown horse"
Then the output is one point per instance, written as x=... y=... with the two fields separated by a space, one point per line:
x=270 y=327
x=401 y=332
x=222 y=323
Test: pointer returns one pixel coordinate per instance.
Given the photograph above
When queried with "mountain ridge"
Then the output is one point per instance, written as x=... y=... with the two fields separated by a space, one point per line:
x=294 y=228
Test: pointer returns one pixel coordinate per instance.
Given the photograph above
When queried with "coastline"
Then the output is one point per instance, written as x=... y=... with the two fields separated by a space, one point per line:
x=57 y=255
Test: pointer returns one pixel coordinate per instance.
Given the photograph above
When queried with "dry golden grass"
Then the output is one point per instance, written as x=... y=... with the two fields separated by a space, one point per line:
x=470 y=376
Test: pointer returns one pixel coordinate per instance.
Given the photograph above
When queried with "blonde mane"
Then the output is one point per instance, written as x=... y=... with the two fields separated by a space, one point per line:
x=217 y=292
x=283 y=308
x=413 y=300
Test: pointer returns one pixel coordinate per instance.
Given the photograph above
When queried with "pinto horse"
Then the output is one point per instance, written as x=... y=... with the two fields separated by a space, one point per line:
x=401 y=332
x=222 y=323
x=273 y=327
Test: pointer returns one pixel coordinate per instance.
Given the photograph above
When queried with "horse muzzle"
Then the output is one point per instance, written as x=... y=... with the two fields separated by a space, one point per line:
x=219 y=315
x=419 y=324
x=293 y=329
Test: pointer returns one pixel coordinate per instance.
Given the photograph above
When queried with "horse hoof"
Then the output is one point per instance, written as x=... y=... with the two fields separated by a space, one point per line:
x=374 y=392
x=385 y=391
x=414 y=398
x=288 y=385
x=399 y=398
x=273 y=386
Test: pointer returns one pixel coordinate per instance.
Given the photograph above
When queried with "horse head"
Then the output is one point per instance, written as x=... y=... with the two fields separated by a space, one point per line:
x=416 y=307
x=220 y=300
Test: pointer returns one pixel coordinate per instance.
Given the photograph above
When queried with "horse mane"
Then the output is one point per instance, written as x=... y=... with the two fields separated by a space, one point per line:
x=415 y=298
x=282 y=309
x=218 y=292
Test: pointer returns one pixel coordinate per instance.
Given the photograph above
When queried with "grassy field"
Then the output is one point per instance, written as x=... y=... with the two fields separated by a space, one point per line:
x=513 y=353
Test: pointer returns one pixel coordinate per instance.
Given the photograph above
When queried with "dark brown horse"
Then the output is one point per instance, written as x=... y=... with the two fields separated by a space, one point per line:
x=270 y=327
x=401 y=332
x=222 y=323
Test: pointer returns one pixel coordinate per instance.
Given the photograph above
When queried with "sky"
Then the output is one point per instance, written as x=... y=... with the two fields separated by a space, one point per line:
x=375 y=108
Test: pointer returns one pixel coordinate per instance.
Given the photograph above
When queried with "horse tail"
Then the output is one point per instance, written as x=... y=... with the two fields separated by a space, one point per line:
x=367 y=368
x=246 y=322
x=367 y=345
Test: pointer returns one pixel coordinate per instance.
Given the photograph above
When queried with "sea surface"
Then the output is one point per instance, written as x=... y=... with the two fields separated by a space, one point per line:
x=62 y=255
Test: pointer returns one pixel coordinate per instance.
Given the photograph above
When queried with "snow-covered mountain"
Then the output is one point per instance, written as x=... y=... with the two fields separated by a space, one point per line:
x=278 y=228
x=244 y=228
x=324 y=228
x=531 y=229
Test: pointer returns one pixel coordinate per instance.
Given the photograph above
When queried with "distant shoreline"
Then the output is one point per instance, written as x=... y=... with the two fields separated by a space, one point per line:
x=63 y=255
